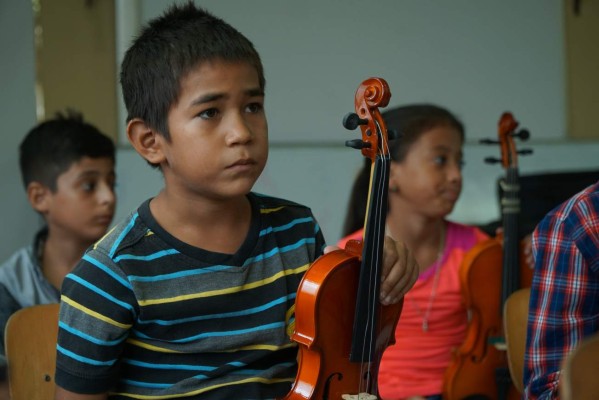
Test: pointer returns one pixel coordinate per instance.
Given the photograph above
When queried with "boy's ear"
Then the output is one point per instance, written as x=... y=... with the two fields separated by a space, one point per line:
x=39 y=196
x=146 y=141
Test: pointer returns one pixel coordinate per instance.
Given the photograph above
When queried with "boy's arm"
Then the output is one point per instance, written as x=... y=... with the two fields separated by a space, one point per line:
x=563 y=294
x=62 y=394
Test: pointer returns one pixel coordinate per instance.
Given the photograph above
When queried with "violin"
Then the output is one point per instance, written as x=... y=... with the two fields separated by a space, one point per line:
x=341 y=327
x=490 y=272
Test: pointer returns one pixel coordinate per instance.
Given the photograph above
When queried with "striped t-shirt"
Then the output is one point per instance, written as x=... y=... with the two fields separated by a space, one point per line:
x=147 y=316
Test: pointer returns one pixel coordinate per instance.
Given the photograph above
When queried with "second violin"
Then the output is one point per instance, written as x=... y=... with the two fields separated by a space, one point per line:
x=491 y=271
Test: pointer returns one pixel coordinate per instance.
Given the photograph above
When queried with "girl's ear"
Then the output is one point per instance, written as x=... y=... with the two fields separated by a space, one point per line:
x=39 y=197
x=393 y=177
x=146 y=141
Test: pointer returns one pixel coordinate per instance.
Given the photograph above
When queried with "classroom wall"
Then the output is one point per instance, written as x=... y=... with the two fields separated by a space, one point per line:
x=479 y=59
x=17 y=114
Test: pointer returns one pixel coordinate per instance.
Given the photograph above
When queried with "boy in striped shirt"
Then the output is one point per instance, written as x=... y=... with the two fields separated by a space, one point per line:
x=192 y=296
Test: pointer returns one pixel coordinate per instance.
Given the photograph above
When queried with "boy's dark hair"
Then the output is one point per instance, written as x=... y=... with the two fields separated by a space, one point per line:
x=167 y=49
x=51 y=147
x=410 y=122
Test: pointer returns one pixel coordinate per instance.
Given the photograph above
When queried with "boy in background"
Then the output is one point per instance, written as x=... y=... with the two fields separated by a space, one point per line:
x=193 y=295
x=67 y=167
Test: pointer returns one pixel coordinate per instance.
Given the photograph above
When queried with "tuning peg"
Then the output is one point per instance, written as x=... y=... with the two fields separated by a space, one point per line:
x=351 y=121
x=357 y=144
x=492 y=160
x=525 y=152
x=523 y=134
x=488 y=141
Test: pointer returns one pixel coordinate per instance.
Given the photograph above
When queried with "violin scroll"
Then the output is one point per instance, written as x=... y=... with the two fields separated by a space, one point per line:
x=507 y=132
x=371 y=94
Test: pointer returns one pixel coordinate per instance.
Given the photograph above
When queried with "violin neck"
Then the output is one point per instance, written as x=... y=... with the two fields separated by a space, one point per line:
x=510 y=207
x=367 y=299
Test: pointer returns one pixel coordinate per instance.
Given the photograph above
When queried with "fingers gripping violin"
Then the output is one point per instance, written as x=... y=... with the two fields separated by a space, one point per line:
x=340 y=326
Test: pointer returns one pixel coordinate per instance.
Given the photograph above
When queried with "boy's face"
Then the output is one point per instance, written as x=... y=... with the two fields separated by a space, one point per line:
x=218 y=132
x=84 y=202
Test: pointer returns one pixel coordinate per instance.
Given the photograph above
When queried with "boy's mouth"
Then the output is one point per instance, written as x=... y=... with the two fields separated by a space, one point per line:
x=104 y=219
x=242 y=162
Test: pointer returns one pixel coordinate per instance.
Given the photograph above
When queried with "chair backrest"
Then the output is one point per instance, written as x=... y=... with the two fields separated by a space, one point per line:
x=579 y=379
x=30 y=343
x=515 y=319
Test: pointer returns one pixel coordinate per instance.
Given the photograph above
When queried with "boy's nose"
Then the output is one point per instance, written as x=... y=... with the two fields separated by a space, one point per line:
x=106 y=193
x=238 y=131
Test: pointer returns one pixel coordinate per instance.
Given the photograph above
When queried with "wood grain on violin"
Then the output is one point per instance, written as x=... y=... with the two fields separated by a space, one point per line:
x=340 y=325
x=490 y=272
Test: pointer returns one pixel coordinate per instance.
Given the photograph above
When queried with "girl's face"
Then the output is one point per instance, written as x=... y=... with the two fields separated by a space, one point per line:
x=429 y=179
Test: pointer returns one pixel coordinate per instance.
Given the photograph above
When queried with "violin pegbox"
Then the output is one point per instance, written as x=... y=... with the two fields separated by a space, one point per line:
x=371 y=94
x=506 y=133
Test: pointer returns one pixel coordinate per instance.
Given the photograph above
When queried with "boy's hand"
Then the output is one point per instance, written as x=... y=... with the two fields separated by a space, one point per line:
x=527 y=250
x=525 y=247
x=400 y=271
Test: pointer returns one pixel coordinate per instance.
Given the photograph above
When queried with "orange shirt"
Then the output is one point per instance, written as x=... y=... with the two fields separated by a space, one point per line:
x=415 y=365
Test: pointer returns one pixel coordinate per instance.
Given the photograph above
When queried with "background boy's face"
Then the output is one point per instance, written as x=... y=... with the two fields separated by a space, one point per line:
x=84 y=202
x=218 y=132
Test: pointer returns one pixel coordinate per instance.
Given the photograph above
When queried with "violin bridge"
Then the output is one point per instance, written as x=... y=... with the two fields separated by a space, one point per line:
x=361 y=396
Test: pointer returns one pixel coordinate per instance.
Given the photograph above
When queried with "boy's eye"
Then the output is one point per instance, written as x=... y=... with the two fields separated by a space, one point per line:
x=440 y=160
x=254 y=108
x=209 y=113
x=89 y=186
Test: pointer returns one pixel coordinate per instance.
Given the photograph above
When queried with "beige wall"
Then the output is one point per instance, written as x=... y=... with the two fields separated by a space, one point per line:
x=75 y=60
x=582 y=68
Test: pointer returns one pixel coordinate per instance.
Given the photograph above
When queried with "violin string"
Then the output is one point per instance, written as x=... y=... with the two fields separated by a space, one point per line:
x=383 y=204
x=379 y=222
x=382 y=207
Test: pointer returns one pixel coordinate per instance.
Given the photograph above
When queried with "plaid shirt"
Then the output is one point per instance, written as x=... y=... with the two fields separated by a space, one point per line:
x=564 y=305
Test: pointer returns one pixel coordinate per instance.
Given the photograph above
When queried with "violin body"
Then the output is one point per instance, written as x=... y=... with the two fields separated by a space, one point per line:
x=326 y=302
x=472 y=371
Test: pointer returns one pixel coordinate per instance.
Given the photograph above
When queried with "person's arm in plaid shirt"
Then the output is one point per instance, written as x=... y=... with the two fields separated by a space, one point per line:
x=564 y=305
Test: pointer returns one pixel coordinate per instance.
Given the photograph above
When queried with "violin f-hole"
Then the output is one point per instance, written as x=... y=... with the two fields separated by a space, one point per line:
x=327 y=385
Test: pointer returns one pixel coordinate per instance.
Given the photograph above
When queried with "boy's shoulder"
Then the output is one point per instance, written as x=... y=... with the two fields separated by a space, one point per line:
x=581 y=207
x=140 y=225
x=125 y=233
x=21 y=260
